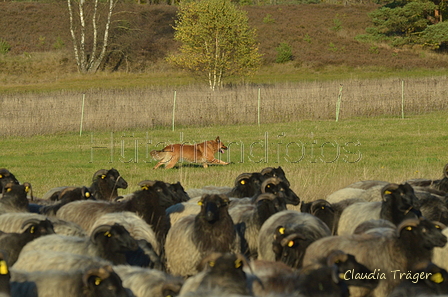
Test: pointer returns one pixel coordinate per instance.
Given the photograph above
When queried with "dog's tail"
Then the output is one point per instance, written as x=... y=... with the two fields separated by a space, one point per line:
x=158 y=155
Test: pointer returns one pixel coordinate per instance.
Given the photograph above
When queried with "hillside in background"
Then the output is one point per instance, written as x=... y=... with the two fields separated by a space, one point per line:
x=319 y=34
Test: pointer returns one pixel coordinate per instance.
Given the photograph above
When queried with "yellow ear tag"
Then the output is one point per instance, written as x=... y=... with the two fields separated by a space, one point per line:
x=32 y=230
x=145 y=188
x=243 y=182
x=211 y=263
x=98 y=281
x=291 y=243
x=3 y=267
x=323 y=207
x=409 y=228
x=387 y=192
x=199 y=202
x=341 y=276
x=268 y=186
x=87 y=194
x=281 y=230
x=437 y=226
x=8 y=190
x=437 y=278
x=238 y=263
x=103 y=176
x=27 y=189
x=1 y=176
x=107 y=234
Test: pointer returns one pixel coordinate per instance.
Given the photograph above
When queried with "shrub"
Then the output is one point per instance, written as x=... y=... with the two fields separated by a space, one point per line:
x=4 y=46
x=284 y=53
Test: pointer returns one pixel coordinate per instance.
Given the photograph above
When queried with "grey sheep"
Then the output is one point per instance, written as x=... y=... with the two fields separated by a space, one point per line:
x=219 y=272
x=194 y=236
x=144 y=202
x=413 y=242
x=107 y=241
x=92 y=282
x=15 y=198
x=399 y=203
x=427 y=280
x=43 y=260
x=249 y=218
x=12 y=222
x=308 y=226
x=145 y=282
x=13 y=243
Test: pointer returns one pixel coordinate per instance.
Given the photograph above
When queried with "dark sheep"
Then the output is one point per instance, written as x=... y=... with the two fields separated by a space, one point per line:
x=109 y=242
x=321 y=209
x=13 y=243
x=399 y=203
x=7 y=177
x=413 y=242
x=99 y=281
x=67 y=195
x=275 y=172
x=15 y=198
x=105 y=184
x=193 y=237
x=248 y=219
x=246 y=185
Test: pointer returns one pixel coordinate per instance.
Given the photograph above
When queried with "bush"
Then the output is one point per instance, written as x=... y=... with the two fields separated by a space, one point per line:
x=4 y=46
x=284 y=53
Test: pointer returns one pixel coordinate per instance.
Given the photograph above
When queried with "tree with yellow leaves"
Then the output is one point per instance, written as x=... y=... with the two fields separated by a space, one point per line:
x=217 y=41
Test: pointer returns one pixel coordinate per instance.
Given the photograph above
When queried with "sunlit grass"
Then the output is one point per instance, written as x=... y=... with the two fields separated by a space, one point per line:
x=318 y=157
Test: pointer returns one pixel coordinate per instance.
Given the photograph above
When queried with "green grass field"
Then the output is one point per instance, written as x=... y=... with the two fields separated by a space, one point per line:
x=318 y=157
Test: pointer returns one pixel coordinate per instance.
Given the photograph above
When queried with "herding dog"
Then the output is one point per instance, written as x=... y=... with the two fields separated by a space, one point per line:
x=203 y=152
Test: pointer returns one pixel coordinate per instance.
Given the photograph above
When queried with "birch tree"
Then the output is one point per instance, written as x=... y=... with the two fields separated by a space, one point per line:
x=217 y=41
x=90 y=34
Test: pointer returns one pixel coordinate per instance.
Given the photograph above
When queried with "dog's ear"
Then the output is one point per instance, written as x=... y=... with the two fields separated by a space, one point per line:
x=217 y=139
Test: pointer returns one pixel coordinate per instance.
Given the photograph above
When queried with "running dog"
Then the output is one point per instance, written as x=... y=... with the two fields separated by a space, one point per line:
x=203 y=153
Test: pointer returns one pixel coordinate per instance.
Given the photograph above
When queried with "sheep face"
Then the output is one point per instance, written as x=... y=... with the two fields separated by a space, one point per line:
x=346 y=262
x=289 y=246
x=423 y=233
x=399 y=203
x=114 y=238
x=280 y=189
x=15 y=195
x=246 y=185
x=321 y=209
x=6 y=177
x=212 y=207
x=101 y=282
x=177 y=193
x=267 y=205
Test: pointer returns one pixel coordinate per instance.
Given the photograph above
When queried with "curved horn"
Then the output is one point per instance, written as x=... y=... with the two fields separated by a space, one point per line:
x=387 y=189
x=31 y=221
x=100 y=273
x=242 y=176
x=285 y=241
x=271 y=180
x=145 y=184
x=265 y=196
x=99 y=173
x=100 y=229
x=407 y=223
x=336 y=256
x=319 y=204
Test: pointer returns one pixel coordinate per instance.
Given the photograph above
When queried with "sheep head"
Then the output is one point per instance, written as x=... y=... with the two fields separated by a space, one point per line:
x=275 y=172
x=322 y=209
x=113 y=238
x=281 y=189
x=246 y=185
x=6 y=177
x=102 y=281
x=38 y=227
x=212 y=206
x=422 y=233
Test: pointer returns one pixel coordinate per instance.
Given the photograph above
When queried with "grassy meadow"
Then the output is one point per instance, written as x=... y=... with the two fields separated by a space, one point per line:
x=318 y=156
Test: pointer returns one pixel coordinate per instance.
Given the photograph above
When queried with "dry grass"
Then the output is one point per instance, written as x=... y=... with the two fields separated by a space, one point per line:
x=117 y=110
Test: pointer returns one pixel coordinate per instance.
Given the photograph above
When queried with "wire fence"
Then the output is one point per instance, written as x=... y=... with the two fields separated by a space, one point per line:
x=118 y=110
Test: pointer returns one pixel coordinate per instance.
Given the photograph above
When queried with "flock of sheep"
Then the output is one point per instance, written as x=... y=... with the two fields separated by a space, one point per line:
x=257 y=238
